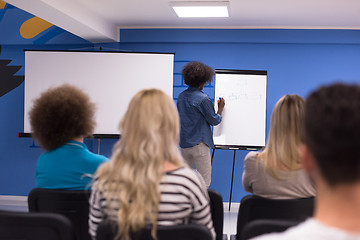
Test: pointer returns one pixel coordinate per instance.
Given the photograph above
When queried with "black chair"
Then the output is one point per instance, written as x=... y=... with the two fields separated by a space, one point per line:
x=72 y=204
x=259 y=227
x=107 y=231
x=217 y=213
x=34 y=226
x=253 y=207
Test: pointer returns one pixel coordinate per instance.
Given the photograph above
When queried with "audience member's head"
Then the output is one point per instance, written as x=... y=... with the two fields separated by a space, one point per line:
x=281 y=151
x=332 y=132
x=330 y=154
x=61 y=114
x=197 y=74
x=149 y=138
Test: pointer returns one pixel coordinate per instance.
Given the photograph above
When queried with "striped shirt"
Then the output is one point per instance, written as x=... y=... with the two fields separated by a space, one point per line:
x=184 y=199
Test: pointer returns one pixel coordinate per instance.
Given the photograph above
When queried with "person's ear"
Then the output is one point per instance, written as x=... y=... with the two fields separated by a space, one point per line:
x=307 y=158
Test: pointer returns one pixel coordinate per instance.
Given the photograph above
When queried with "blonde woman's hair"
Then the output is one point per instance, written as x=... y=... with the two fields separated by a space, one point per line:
x=149 y=136
x=281 y=151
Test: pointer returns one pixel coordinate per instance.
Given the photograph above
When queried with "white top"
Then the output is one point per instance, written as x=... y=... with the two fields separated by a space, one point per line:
x=184 y=199
x=311 y=229
x=292 y=184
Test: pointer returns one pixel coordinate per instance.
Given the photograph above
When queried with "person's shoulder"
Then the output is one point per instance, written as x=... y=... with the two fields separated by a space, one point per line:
x=251 y=156
x=50 y=155
x=274 y=236
x=182 y=94
x=190 y=180
x=97 y=158
x=203 y=95
x=291 y=233
x=186 y=175
x=43 y=156
x=188 y=94
x=182 y=171
x=251 y=164
x=101 y=158
x=44 y=161
x=202 y=99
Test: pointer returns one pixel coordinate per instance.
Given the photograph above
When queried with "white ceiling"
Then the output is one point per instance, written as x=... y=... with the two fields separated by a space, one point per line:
x=99 y=21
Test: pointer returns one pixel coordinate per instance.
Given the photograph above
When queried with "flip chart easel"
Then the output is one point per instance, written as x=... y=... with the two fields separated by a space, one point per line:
x=233 y=165
x=244 y=116
x=232 y=173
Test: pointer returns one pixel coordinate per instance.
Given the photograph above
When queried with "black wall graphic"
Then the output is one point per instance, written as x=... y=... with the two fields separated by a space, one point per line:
x=7 y=79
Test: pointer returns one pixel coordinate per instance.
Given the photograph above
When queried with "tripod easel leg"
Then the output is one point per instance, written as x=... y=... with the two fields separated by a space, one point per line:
x=212 y=156
x=232 y=178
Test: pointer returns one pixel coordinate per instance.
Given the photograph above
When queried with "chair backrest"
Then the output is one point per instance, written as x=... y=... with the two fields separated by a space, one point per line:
x=259 y=227
x=34 y=226
x=253 y=207
x=107 y=231
x=217 y=213
x=72 y=204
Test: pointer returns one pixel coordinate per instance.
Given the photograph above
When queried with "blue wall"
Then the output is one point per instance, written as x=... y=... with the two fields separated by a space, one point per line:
x=18 y=155
x=297 y=61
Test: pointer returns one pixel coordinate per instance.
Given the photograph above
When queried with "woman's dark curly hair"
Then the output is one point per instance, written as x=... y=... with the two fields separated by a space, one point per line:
x=196 y=74
x=61 y=114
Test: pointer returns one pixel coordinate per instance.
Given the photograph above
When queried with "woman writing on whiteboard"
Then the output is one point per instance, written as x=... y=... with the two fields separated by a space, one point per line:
x=145 y=181
x=197 y=114
x=60 y=119
x=277 y=172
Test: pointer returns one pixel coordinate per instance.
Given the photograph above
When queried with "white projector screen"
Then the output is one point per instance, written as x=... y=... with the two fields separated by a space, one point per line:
x=110 y=78
x=244 y=116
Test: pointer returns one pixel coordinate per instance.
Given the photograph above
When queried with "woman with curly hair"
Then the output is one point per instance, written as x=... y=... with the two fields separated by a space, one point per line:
x=197 y=114
x=277 y=171
x=145 y=183
x=60 y=119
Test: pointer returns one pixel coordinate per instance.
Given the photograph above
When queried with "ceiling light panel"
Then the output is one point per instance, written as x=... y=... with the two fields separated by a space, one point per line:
x=201 y=9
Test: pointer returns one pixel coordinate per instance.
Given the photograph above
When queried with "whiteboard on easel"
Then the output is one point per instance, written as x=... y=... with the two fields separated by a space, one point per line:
x=243 y=125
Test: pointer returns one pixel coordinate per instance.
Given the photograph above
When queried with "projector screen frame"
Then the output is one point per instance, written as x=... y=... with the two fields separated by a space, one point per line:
x=27 y=134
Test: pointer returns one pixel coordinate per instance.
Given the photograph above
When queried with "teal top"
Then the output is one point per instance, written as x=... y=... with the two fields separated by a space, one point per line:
x=69 y=167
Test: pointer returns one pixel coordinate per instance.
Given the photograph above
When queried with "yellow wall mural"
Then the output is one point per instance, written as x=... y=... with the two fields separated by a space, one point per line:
x=2 y=4
x=34 y=26
x=31 y=27
x=21 y=27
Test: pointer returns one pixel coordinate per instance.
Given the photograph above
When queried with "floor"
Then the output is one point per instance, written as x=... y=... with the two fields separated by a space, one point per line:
x=230 y=218
x=13 y=203
x=19 y=203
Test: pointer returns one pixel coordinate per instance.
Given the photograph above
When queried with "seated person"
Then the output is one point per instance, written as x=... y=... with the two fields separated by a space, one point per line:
x=146 y=181
x=277 y=172
x=60 y=119
x=330 y=154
